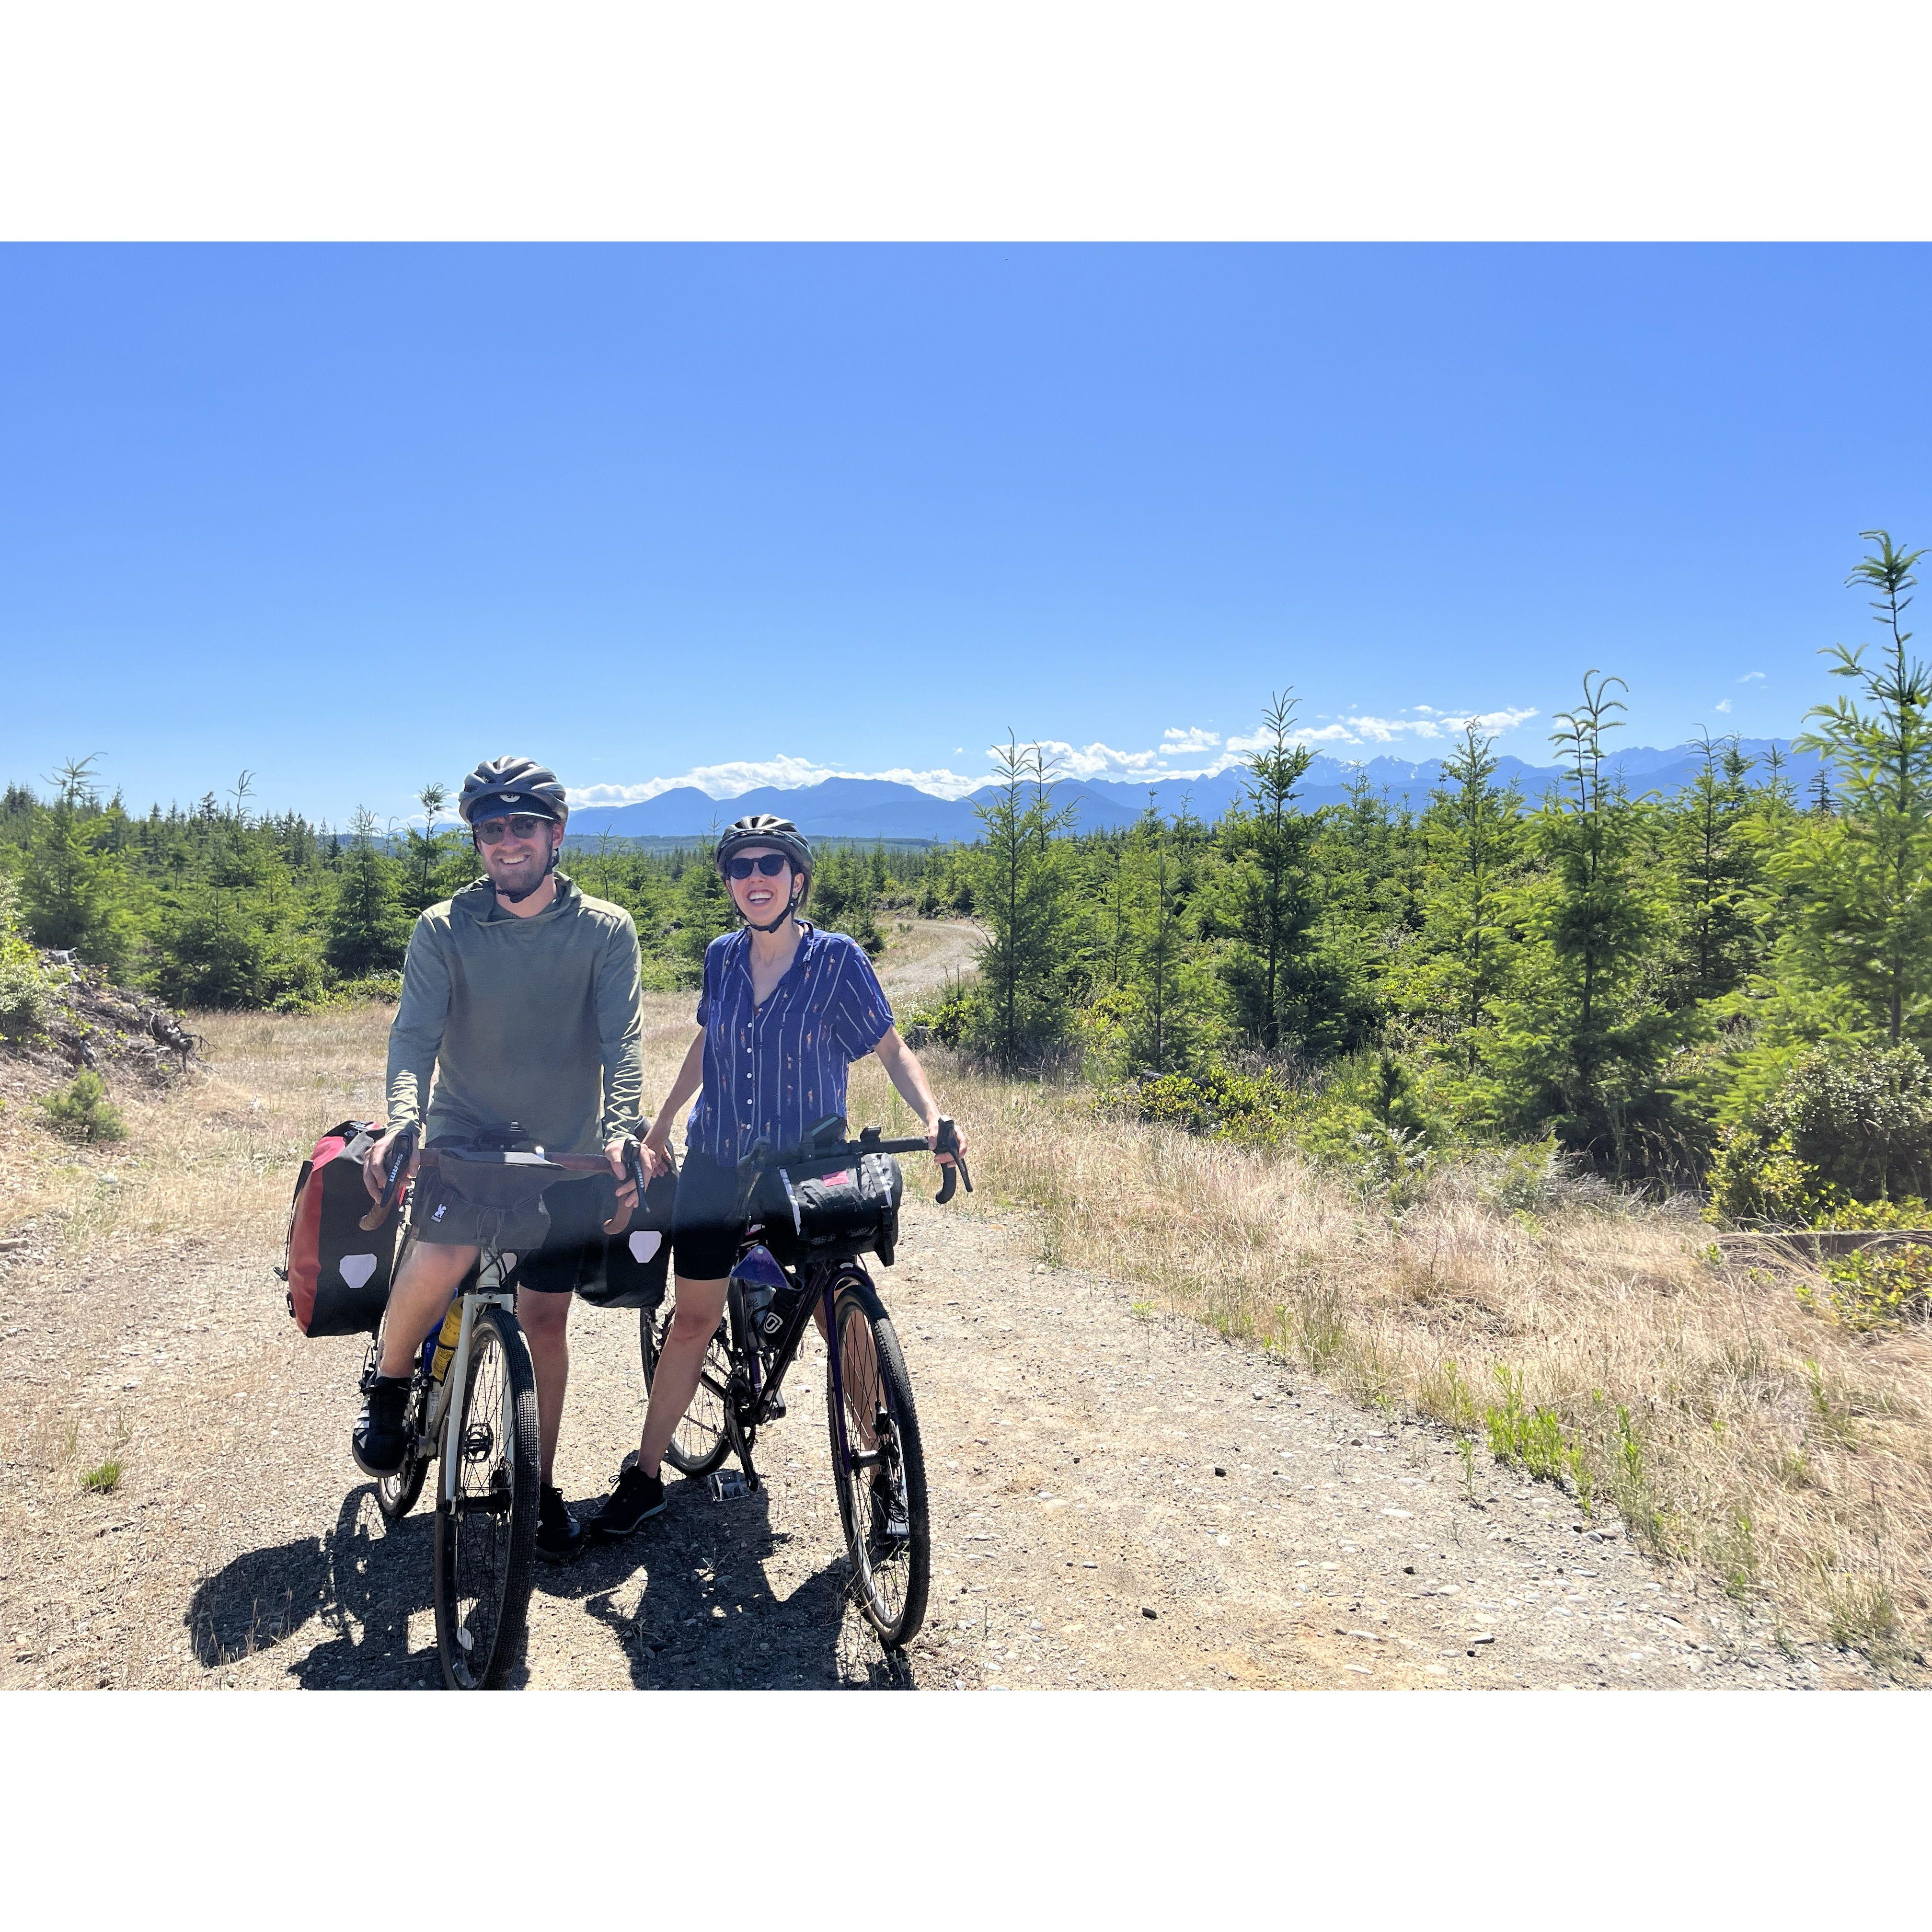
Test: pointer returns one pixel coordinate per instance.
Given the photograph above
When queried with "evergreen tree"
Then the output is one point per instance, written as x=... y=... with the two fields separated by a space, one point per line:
x=1584 y=1042
x=1713 y=863
x=1470 y=844
x=368 y=930
x=1857 y=959
x=72 y=891
x=1021 y=894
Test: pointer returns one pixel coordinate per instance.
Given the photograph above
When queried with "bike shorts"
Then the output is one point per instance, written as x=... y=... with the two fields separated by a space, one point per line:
x=560 y=1240
x=707 y=1225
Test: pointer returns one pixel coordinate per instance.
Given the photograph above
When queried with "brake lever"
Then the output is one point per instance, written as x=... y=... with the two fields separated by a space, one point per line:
x=950 y=1176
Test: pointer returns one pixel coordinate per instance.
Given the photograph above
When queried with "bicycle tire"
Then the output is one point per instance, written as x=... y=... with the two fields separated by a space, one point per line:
x=486 y=1544
x=891 y=1576
x=699 y=1444
x=396 y=1494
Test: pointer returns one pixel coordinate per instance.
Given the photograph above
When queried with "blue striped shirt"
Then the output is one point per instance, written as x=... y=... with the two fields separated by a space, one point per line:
x=771 y=1071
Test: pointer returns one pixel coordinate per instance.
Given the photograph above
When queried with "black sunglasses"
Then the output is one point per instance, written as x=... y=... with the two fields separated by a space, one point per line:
x=771 y=864
x=518 y=825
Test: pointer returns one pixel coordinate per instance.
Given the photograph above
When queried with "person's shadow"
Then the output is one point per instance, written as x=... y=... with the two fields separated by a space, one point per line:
x=357 y=1586
x=340 y=1606
x=707 y=1619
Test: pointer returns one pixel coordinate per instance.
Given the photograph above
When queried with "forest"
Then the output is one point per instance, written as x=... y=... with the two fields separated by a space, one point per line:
x=1729 y=988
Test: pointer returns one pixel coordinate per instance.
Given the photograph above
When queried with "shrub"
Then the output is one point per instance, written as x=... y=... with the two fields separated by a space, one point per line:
x=1251 y=1109
x=1848 y=1123
x=82 y=1109
x=23 y=985
x=1873 y=1287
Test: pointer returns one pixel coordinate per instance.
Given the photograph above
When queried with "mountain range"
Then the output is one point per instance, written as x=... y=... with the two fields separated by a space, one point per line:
x=866 y=809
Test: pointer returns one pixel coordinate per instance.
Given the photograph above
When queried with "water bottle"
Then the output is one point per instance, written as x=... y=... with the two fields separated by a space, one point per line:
x=445 y=1342
x=768 y=1295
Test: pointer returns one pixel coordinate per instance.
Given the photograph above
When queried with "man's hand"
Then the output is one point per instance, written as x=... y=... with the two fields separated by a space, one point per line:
x=932 y=1140
x=375 y=1163
x=627 y=1188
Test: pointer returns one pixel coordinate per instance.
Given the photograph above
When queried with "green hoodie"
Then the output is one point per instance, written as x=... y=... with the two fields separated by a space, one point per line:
x=536 y=1020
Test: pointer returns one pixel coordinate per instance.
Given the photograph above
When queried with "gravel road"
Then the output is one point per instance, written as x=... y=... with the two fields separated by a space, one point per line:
x=1120 y=1500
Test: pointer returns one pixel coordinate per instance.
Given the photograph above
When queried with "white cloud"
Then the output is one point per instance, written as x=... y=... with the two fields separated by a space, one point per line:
x=1723 y=704
x=1180 y=754
x=1751 y=677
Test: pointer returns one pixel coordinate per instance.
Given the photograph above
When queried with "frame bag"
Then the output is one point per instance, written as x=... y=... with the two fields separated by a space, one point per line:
x=636 y=1263
x=337 y=1275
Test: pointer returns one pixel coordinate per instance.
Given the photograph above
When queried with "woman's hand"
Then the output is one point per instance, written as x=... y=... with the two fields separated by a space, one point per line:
x=932 y=1139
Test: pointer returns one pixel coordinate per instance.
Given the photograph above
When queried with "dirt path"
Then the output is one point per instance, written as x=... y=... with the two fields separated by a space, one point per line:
x=1118 y=1501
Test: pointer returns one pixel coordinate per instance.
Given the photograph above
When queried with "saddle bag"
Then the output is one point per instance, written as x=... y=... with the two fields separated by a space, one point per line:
x=337 y=1275
x=853 y=1211
x=636 y=1263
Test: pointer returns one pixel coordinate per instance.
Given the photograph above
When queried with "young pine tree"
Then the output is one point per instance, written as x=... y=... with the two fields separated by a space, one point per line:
x=368 y=929
x=1856 y=960
x=1463 y=959
x=1021 y=893
x=1584 y=1041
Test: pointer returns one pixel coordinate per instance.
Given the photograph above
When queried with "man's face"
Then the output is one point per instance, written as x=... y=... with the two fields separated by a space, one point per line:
x=516 y=850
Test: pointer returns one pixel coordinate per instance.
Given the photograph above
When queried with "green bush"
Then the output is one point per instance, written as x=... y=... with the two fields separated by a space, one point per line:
x=82 y=1110
x=23 y=984
x=1251 y=1109
x=1849 y=1123
x=1874 y=1288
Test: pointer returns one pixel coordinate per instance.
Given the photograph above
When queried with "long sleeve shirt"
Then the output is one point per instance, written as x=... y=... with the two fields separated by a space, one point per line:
x=536 y=1020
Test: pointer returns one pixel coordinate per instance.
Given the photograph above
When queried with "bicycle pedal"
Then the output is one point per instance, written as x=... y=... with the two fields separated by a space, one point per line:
x=728 y=1486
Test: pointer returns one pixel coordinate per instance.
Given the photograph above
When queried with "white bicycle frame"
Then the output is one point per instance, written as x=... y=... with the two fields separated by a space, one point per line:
x=445 y=1415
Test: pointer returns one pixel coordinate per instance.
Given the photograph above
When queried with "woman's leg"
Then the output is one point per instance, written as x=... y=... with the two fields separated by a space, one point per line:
x=694 y=1319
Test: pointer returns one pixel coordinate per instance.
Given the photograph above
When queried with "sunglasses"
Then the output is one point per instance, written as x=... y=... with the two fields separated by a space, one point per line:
x=518 y=825
x=771 y=864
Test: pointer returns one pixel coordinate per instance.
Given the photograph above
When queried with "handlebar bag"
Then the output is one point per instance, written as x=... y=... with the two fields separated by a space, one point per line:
x=337 y=1275
x=853 y=1211
x=636 y=1263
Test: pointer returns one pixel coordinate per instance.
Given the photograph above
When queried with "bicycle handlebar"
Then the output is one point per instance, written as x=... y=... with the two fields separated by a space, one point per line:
x=823 y=1158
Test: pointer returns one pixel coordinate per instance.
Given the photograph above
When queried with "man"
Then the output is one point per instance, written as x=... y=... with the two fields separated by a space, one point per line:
x=523 y=994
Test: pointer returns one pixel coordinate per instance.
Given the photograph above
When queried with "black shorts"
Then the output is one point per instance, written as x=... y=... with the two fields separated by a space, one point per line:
x=567 y=1239
x=707 y=1225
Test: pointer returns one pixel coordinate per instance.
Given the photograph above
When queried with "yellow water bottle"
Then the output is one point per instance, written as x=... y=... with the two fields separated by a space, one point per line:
x=446 y=1343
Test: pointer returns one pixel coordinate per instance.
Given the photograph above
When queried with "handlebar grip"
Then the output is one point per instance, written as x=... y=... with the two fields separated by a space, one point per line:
x=393 y=1185
x=948 y=1138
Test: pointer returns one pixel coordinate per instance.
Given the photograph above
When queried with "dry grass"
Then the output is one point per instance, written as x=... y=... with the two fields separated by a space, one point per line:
x=1735 y=1433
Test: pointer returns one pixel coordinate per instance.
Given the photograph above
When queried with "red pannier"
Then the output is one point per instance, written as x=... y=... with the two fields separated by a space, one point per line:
x=338 y=1276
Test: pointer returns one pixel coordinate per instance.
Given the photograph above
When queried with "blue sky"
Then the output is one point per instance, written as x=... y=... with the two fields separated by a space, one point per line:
x=352 y=518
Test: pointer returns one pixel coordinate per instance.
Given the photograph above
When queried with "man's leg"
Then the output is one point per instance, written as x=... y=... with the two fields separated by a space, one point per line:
x=694 y=1321
x=430 y=1274
x=545 y=1320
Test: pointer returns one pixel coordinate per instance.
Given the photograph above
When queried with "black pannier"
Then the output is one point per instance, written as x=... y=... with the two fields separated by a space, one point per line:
x=636 y=1263
x=854 y=1210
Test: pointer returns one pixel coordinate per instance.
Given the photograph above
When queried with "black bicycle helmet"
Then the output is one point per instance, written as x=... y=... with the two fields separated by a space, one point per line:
x=500 y=785
x=762 y=829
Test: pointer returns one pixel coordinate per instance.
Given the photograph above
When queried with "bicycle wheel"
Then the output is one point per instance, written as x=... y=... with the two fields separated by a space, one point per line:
x=396 y=1495
x=879 y=1467
x=700 y=1444
x=486 y=1535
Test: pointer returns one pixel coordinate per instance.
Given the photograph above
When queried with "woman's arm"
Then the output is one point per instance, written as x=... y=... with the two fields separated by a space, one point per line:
x=690 y=1077
x=903 y=1069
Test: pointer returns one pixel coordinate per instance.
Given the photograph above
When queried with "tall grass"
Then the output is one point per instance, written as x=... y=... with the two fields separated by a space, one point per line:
x=1590 y=1340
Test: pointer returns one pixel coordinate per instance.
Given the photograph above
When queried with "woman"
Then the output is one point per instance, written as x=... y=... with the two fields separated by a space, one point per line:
x=784 y=1010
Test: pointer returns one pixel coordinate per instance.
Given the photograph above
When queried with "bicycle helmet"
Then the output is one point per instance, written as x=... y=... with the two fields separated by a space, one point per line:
x=501 y=785
x=782 y=835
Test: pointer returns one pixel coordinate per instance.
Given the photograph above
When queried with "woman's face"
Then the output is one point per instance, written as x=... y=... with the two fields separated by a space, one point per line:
x=761 y=897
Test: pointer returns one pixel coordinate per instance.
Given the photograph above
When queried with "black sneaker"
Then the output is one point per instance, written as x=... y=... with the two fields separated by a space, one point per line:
x=560 y=1537
x=380 y=1441
x=637 y=1497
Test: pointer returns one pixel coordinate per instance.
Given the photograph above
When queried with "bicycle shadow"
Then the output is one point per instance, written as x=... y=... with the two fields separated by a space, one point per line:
x=361 y=1583
x=708 y=1615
